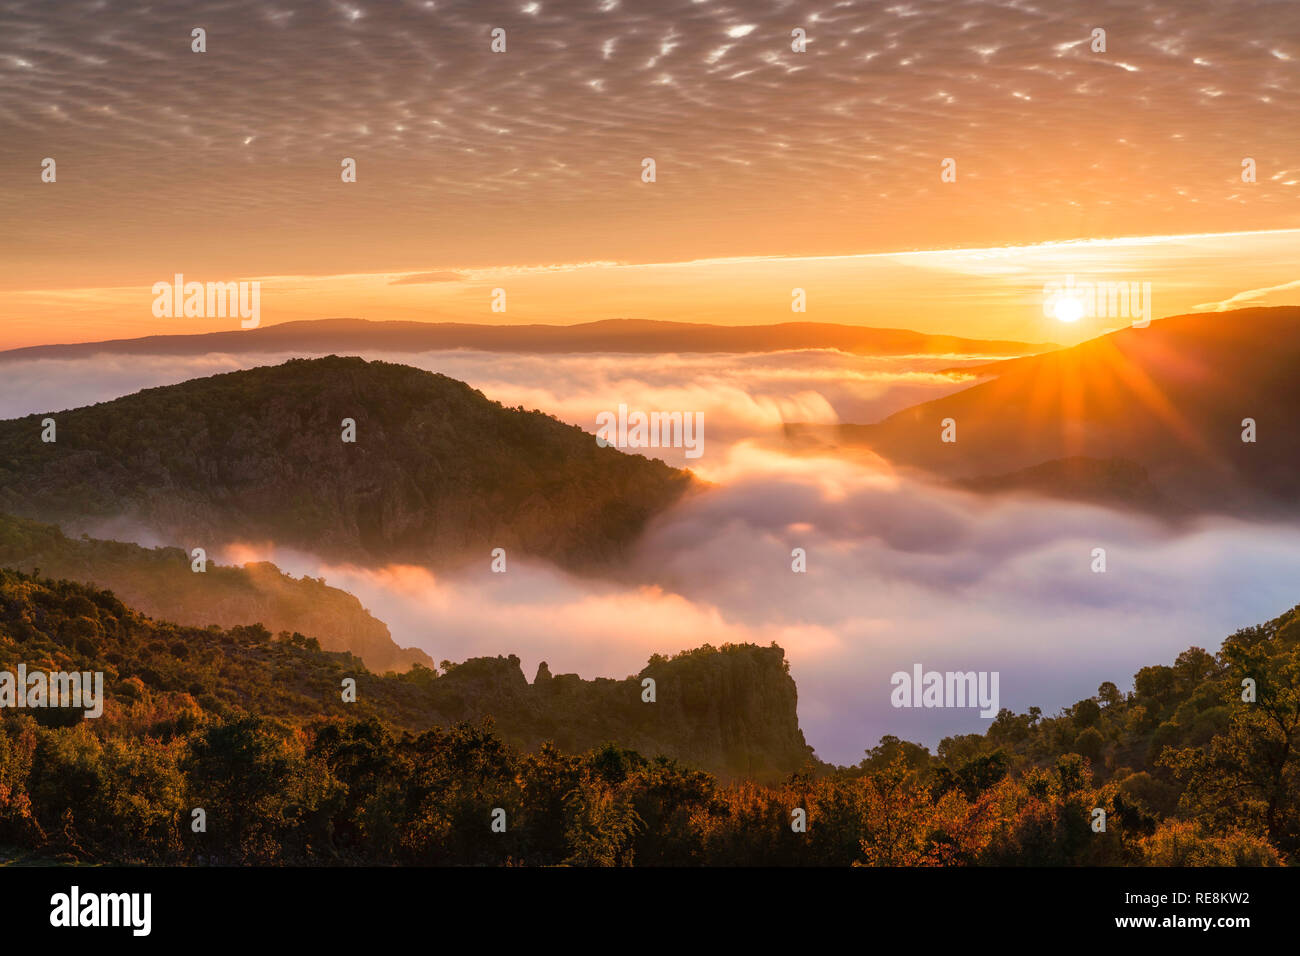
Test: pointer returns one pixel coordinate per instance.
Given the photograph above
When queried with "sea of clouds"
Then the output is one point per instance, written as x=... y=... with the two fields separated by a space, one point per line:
x=898 y=571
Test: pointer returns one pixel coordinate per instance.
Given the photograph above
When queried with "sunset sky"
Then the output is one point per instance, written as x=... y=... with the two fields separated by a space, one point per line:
x=522 y=169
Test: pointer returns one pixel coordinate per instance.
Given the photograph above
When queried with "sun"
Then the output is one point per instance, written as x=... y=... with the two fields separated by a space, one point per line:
x=1068 y=309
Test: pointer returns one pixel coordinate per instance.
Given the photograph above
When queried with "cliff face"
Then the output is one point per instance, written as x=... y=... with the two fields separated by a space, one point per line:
x=731 y=711
x=438 y=474
x=158 y=582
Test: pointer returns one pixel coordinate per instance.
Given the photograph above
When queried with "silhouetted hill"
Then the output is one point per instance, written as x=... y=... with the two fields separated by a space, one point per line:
x=160 y=583
x=612 y=335
x=438 y=473
x=1170 y=397
x=1109 y=481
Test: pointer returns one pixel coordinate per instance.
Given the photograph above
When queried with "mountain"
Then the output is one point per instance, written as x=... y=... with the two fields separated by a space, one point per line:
x=731 y=711
x=1170 y=398
x=438 y=474
x=1116 y=482
x=159 y=582
x=612 y=335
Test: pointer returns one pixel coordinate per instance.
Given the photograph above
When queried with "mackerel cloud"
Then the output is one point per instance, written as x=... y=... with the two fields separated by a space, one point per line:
x=480 y=156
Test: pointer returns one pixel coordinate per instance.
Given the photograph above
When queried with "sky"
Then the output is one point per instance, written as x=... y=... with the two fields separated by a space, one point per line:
x=523 y=169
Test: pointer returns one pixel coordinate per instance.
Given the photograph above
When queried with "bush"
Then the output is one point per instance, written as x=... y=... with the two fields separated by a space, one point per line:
x=1184 y=843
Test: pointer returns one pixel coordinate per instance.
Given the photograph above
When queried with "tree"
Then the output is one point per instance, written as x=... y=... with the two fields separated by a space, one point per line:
x=1249 y=777
x=257 y=789
x=1108 y=694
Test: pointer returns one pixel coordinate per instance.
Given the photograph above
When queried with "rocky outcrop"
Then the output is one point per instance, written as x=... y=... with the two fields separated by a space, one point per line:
x=732 y=711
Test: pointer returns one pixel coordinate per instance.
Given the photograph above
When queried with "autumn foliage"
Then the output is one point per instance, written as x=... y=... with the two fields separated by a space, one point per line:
x=1185 y=770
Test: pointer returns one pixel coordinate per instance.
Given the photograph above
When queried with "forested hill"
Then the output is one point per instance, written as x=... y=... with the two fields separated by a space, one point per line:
x=438 y=474
x=730 y=711
x=160 y=582
x=1188 y=767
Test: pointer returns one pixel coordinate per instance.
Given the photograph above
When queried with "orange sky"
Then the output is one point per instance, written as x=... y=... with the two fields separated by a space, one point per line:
x=225 y=165
x=981 y=293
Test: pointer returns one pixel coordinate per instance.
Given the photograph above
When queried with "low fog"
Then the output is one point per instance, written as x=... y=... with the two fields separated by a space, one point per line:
x=739 y=395
x=899 y=572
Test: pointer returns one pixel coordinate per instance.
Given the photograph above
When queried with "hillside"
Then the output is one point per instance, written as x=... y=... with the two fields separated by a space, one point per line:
x=252 y=729
x=438 y=474
x=730 y=711
x=1170 y=398
x=1115 y=482
x=358 y=336
x=160 y=583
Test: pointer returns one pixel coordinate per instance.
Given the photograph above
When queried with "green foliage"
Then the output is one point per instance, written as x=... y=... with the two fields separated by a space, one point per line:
x=439 y=473
x=247 y=725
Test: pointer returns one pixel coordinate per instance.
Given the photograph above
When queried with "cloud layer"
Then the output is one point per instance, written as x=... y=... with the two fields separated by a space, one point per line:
x=467 y=157
x=740 y=396
x=898 y=572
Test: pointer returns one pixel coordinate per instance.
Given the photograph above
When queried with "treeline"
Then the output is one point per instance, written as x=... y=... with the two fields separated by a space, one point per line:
x=1207 y=749
x=1184 y=769
x=350 y=792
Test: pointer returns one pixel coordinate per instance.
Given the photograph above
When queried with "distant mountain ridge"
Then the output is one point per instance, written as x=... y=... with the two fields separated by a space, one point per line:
x=438 y=475
x=1117 y=482
x=321 y=336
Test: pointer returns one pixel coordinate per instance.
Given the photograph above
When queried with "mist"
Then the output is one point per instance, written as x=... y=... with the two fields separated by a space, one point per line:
x=739 y=395
x=899 y=571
